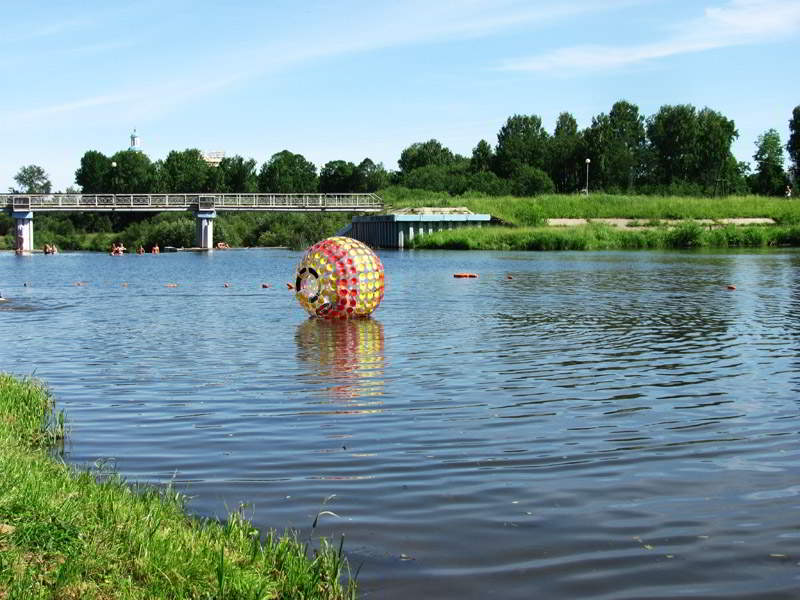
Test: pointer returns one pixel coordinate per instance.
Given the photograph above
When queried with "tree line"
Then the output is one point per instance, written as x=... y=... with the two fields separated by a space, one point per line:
x=679 y=150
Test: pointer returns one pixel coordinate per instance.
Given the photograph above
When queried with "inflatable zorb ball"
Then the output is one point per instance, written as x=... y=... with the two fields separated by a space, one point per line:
x=339 y=278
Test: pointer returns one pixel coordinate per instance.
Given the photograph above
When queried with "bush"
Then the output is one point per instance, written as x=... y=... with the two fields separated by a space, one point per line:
x=685 y=235
x=530 y=181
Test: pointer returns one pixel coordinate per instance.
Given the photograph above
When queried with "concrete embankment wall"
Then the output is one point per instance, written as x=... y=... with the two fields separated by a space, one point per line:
x=395 y=231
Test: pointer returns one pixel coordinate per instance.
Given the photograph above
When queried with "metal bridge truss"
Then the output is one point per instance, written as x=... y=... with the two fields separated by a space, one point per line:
x=196 y=202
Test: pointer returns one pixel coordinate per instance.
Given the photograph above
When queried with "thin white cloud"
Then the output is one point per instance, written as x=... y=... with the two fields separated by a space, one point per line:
x=739 y=22
x=44 y=31
x=338 y=33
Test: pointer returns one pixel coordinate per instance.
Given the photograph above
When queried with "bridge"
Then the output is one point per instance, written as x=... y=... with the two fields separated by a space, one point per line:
x=204 y=206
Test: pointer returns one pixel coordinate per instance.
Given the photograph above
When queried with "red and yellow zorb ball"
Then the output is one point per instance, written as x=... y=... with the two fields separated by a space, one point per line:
x=339 y=278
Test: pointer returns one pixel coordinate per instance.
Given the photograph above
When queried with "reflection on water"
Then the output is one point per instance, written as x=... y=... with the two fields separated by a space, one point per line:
x=347 y=356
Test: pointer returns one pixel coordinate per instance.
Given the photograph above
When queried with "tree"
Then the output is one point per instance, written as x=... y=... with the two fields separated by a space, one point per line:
x=33 y=180
x=769 y=178
x=185 y=172
x=369 y=177
x=521 y=141
x=672 y=133
x=92 y=175
x=566 y=154
x=482 y=157
x=597 y=141
x=627 y=145
x=133 y=173
x=337 y=176
x=237 y=175
x=160 y=185
x=793 y=145
x=422 y=154
x=287 y=173
x=712 y=156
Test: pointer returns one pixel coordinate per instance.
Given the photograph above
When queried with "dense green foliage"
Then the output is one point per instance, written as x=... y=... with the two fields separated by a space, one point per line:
x=793 y=145
x=287 y=173
x=66 y=534
x=769 y=178
x=679 y=150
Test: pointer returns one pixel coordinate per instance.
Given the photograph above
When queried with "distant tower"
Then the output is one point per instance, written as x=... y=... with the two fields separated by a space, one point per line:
x=136 y=143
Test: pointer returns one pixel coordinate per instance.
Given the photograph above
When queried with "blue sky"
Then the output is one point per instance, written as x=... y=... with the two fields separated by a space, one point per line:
x=351 y=79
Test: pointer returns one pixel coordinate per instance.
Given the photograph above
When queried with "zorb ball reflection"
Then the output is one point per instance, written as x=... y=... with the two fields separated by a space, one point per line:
x=339 y=278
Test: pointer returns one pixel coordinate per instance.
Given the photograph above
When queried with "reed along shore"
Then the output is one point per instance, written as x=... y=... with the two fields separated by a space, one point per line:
x=66 y=533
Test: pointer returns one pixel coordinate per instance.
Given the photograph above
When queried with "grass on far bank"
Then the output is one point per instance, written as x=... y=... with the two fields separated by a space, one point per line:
x=596 y=236
x=534 y=211
x=64 y=534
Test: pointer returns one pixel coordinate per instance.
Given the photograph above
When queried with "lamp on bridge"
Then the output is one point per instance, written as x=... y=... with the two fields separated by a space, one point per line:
x=113 y=177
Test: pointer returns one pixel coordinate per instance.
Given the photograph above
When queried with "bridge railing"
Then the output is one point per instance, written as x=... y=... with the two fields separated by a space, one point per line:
x=156 y=202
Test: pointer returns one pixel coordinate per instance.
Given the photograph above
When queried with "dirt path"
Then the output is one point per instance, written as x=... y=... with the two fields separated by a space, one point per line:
x=643 y=223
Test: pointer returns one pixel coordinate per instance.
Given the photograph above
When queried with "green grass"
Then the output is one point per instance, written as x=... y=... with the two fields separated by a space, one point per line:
x=70 y=534
x=531 y=212
x=597 y=236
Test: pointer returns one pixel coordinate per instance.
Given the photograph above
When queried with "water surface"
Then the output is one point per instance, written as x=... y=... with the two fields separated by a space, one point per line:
x=569 y=425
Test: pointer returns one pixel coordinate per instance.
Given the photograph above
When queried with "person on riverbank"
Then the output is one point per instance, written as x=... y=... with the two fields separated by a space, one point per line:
x=788 y=192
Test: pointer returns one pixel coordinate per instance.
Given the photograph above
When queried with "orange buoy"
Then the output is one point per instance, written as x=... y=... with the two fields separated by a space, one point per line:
x=731 y=287
x=509 y=277
x=264 y=285
x=464 y=275
x=226 y=284
x=171 y=285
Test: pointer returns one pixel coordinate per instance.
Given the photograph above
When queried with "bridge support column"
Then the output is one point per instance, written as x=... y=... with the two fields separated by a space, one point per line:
x=204 y=229
x=23 y=231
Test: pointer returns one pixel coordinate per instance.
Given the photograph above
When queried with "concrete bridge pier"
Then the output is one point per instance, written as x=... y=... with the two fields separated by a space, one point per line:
x=397 y=230
x=23 y=231
x=204 y=229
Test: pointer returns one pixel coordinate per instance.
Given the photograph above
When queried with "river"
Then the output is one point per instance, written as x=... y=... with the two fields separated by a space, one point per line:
x=600 y=425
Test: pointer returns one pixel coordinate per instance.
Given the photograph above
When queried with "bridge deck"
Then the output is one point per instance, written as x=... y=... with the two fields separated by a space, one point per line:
x=182 y=202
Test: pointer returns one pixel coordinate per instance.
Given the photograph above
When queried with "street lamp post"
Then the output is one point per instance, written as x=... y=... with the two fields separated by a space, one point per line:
x=113 y=177
x=588 y=160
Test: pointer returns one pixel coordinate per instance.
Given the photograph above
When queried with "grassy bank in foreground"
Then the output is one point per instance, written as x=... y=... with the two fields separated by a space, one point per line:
x=65 y=535
x=603 y=237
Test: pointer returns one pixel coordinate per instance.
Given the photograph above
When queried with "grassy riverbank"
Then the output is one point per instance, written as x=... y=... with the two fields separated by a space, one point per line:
x=299 y=230
x=64 y=534
x=603 y=237
x=532 y=212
